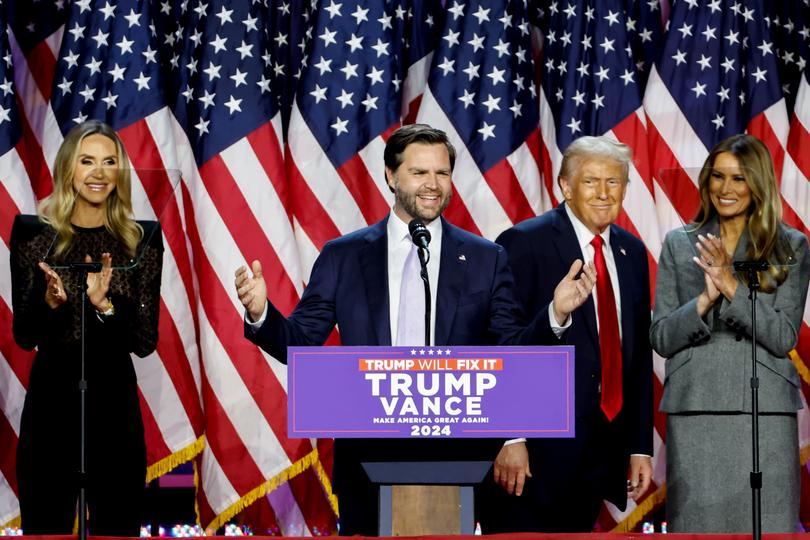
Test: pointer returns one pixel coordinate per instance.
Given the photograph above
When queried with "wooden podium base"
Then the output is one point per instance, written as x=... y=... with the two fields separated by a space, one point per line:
x=425 y=510
x=426 y=497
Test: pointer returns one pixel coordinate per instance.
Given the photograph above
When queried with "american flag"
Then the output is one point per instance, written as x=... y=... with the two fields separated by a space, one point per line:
x=228 y=106
x=790 y=29
x=274 y=114
x=362 y=75
x=133 y=64
x=482 y=92
x=15 y=196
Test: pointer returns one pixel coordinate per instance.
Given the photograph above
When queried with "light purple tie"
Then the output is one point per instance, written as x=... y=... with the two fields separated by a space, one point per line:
x=411 y=319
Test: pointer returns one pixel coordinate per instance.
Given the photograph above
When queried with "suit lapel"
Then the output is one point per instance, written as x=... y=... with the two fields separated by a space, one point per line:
x=374 y=267
x=711 y=227
x=452 y=273
x=569 y=250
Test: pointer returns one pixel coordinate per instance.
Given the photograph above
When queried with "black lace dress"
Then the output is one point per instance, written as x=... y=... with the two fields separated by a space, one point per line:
x=48 y=448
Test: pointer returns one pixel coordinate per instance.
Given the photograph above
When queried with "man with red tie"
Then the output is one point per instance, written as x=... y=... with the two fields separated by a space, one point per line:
x=557 y=485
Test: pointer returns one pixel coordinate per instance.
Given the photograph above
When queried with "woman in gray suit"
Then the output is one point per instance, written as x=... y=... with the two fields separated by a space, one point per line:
x=702 y=326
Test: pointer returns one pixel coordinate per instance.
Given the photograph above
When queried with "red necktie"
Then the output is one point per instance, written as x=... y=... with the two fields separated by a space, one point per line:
x=610 y=344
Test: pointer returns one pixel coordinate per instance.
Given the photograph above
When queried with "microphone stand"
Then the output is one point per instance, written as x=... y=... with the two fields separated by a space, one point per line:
x=751 y=268
x=84 y=267
x=424 y=257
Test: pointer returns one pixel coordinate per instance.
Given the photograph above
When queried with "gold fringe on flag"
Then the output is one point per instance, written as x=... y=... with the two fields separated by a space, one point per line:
x=171 y=461
x=327 y=486
x=153 y=471
x=649 y=504
x=804 y=455
x=196 y=491
x=15 y=522
x=801 y=367
x=804 y=373
x=251 y=496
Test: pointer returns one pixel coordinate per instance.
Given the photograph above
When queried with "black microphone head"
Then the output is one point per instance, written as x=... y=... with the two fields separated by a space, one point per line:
x=419 y=232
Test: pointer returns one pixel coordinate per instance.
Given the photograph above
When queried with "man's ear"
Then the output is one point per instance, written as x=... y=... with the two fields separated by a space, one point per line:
x=389 y=179
x=565 y=187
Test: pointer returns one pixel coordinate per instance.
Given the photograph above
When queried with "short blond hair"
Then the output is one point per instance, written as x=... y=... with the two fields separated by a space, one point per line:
x=588 y=147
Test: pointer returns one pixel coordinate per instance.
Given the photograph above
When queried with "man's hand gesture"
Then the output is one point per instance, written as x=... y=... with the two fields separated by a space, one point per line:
x=572 y=292
x=252 y=291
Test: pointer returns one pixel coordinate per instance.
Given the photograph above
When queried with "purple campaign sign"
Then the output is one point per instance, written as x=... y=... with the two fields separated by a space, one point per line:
x=379 y=392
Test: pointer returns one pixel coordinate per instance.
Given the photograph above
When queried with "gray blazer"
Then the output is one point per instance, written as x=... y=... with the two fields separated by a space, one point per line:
x=708 y=362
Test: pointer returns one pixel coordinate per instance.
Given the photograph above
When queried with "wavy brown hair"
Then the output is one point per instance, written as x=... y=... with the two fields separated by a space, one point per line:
x=57 y=209
x=767 y=242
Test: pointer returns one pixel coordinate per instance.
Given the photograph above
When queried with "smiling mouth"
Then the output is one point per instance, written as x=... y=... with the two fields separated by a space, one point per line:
x=96 y=186
x=726 y=201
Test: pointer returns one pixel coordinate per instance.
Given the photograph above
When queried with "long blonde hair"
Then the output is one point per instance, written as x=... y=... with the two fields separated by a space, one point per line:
x=57 y=209
x=766 y=243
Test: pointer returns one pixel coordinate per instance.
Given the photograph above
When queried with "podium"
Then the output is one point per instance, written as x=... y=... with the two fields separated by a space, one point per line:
x=411 y=394
x=427 y=497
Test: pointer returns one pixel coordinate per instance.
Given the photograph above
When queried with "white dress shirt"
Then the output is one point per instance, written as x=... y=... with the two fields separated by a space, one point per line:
x=399 y=245
x=584 y=237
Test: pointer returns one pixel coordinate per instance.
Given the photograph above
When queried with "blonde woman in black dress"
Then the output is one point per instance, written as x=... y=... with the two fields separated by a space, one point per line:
x=88 y=217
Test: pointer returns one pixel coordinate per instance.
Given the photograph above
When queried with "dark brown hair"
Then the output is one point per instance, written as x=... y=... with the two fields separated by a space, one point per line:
x=410 y=134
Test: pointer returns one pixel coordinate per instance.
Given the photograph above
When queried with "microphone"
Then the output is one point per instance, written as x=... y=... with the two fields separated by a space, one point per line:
x=419 y=233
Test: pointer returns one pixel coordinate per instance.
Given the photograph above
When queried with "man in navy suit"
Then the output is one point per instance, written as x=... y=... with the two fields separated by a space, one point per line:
x=557 y=485
x=357 y=283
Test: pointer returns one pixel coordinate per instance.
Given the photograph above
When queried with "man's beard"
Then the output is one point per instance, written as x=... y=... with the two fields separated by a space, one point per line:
x=408 y=202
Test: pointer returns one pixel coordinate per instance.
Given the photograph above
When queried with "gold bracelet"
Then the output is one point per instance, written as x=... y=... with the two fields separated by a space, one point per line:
x=109 y=311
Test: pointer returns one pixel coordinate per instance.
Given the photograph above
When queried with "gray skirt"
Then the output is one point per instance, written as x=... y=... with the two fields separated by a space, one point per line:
x=708 y=465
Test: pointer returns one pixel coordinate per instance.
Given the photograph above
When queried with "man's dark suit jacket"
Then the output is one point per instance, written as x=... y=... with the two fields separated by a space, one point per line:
x=541 y=251
x=476 y=305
